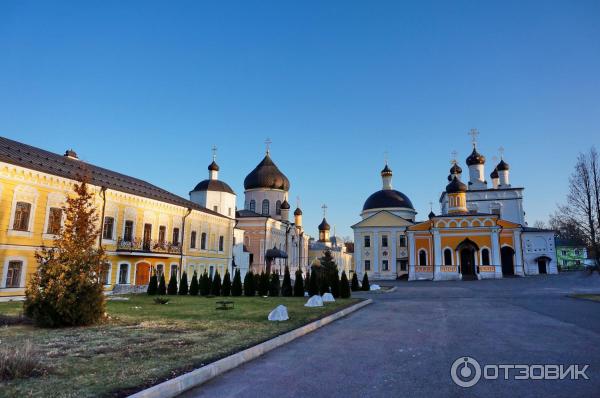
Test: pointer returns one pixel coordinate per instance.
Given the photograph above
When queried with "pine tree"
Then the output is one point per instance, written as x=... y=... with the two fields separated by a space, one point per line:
x=307 y=280
x=274 y=285
x=299 y=284
x=236 y=287
x=249 y=286
x=355 y=285
x=153 y=285
x=172 y=286
x=183 y=284
x=162 y=285
x=194 y=285
x=263 y=284
x=334 y=283
x=215 y=287
x=226 y=289
x=365 y=283
x=286 y=286
x=344 y=286
x=313 y=284
x=67 y=289
x=204 y=284
x=323 y=283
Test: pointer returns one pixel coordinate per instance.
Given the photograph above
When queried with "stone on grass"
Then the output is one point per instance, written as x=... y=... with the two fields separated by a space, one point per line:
x=328 y=298
x=279 y=314
x=314 y=301
x=375 y=287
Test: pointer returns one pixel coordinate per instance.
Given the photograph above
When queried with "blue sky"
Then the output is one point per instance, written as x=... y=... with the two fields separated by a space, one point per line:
x=146 y=88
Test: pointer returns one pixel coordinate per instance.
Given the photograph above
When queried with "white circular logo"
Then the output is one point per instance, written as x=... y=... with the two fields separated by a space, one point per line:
x=465 y=372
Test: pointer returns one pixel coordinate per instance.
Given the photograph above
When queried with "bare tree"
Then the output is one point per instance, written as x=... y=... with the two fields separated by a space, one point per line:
x=539 y=224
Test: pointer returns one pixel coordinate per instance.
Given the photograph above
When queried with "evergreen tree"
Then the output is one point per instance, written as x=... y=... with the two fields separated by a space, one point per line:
x=263 y=284
x=313 y=287
x=286 y=286
x=307 y=280
x=153 y=285
x=334 y=283
x=236 y=287
x=328 y=262
x=344 y=286
x=204 y=284
x=215 y=287
x=226 y=289
x=194 y=285
x=274 y=285
x=249 y=286
x=183 y=284
x=355 y=285
x=365 y=283
x=162 y=285
x=323 y=282
x=299 y=284
x=172 y=286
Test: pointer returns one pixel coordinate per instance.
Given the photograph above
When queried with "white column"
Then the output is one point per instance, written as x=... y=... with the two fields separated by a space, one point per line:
x=411 y=256
x=496 y=253
x=518 y=253
x=375 y=268
x=359 y=247
x=393 y=252
x=437 y=250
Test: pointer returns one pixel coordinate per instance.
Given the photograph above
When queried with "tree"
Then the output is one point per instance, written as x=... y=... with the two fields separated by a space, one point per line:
x=286 y=286
x=344 y=286
x=194 y=285
x=172 y=286
x=307 y=279
x=263 y=284
x=226 y=289
x=153 y=285
x=365 y=283
x=298 y=284
x=334 y=283
x=249 y=284
x=204 y=284
x=274 y=285
x=215 y=287
x=183 y=284
x=67 y=288
x=328 y=273
x=236 y=287
x=162 y=285
x=313 y=287
x=539 y=224
x=323 y=283
x=355 y=286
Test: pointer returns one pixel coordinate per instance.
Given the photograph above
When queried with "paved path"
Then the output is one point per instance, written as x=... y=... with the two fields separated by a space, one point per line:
x=405 y=342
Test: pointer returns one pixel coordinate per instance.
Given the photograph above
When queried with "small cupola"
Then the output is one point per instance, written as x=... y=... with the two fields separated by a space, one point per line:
x=71 y=154
x=324 y=229
x=386 y=177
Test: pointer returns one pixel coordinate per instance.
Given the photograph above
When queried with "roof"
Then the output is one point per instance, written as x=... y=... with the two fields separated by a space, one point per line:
x=387 y=198
x=247 y=213
x=455 y=169
x=386 y=171
x=502 y=166
x=456 y=186
x=568 y=242
x=213 y=166
x=494 y=174
x=298 y=211
x=213 y=185
x=324 y=226
x=30 y=157
x=266 y=175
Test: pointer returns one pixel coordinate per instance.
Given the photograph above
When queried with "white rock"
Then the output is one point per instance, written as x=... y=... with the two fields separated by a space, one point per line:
x=314 y=301
x=305 y=294
x=279 y=314
x=328 y=298
x=375 y=287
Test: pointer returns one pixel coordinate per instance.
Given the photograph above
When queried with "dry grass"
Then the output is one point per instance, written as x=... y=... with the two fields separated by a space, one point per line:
x=592 y=297
x=20 y=362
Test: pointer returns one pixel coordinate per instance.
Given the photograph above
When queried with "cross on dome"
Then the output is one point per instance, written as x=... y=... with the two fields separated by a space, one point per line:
x=268 y=143
x=453 y=154
x=324 y=207
x=501 y=152
x=474 y=133
x=214 y=152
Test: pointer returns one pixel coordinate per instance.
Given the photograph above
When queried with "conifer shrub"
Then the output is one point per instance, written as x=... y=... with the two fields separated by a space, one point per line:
x=307 y=280
x=299 y=284
x=334 y=283
x=172 y=286
x=215 y=287
x=226 y=288
x=153 y=285
x=286 y=285
x=162 y=285
x=236 y=286
x=344 y=286
x=355 y=286
x=249 y=284
x=183 y=284
x=204 y=283
x=313 y=287
x=274 y=286
x=365 y=283
x=194 y=285
x=263 y=284
x=323 y=283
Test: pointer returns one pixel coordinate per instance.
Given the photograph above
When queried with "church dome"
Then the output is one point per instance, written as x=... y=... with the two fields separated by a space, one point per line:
x=213 y=166
x=324 y=226
x=455 y=169
x=386 y=171
x=456 y=186
x=285 y=205
x=502 y=166
x=213 y=185
x=387 y=198
x=475 y=158
x=431 y=215
x=494 y=174
x=267 y=176
x=297 y=212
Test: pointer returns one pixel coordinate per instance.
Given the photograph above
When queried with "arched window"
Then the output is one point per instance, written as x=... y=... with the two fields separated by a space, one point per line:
x=203 y=241
x=221 y=243
x=485 y=257
x=422 y=257
x=265 y=207
x=252 y=205
x=448 y=257
x=278 y=207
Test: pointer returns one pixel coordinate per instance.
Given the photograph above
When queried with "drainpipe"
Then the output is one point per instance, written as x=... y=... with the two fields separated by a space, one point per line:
x=189 y=210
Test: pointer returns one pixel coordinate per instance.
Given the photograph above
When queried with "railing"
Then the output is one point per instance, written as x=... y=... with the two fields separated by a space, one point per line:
x=148 y=246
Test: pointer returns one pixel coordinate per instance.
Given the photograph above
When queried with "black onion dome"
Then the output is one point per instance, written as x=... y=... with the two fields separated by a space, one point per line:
x=285 y=205
x=449 y=177
x=324 y=226
x=297 y=212
x=456 y=186
x=431 y=215
x=386 y=171
x=502 y=166
x=387 y=198
x=494 y=174
x=266 y=175
x=455 y=169
x=213 y=185
x=475 y=158
x=213 y=166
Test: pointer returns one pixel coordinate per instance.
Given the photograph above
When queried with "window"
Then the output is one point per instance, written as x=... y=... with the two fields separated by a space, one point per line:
x=564 y=252
x=422 y=257
x=162 y=232
x=278 y=207
x=54 y=220
x=252 y=206
x=565 y=262
x=367 y=265
x=211 y=272
x=22 y=211
x=13 y=274
x=265 y=207
x=173 y=271
x=123 y=269
x=147 y=236
x=485 y=257
x=403 y=265
x=577 y=252
x=160 y=270
x=175 y=236
x=402 y=241
x=384 y=241
x=496 y=211
x=128 y=232
x=193 y=240
x=367 y=241
x=107 y=232
x=448 y=257
x=384 y=265
x=221 y=241
x=105 y=274
x=203 y=241
x=215 y=208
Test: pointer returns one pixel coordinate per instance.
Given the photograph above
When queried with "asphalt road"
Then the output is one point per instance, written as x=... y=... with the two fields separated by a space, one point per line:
x=406 y=341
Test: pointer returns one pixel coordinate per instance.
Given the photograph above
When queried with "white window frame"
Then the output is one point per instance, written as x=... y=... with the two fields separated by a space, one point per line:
x=7 y=260
x=118 y=280
x=23 y=193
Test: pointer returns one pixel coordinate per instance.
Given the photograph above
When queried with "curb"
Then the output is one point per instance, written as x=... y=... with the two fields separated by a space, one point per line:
x=176 y=386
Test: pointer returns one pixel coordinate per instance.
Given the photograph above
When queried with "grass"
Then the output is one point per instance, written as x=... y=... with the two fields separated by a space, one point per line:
x=145 y=343
x=592 y=297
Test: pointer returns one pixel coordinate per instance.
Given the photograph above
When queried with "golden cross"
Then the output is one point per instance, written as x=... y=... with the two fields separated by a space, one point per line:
x=474 y=134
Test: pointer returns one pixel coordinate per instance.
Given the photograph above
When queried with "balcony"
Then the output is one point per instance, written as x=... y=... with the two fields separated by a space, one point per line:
x=148 y=246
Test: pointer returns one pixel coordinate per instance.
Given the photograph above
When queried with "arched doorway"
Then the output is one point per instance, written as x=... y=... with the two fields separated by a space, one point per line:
x=467 y=250
x=142 y=273
x=507 y=256
x=542 y=263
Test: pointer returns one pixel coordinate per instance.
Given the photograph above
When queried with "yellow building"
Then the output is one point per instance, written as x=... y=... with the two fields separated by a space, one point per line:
x=143 y=227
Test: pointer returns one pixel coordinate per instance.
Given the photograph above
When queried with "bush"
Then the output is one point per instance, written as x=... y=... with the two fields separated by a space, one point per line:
x=263 y=284
x=334 y=282
x=323 y=282
x=249 y=284
x=313 y=287
x=344 y=286
x=355 y=285
x=172 y=286
x=299 y=284
x=204 y=284
x=20 y=361
x=307 y=280
x=162 y=285
x=194 y=286
x=286 y=286
x=365 y=283
x=183 y=285
x=236 y=287
x=215 y=287
x=274 y=285
x=161 y=300
x=153 y=285
x=226 y=289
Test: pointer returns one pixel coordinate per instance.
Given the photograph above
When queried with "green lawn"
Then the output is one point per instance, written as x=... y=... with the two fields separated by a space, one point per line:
x=593 y=297
x=144 y=343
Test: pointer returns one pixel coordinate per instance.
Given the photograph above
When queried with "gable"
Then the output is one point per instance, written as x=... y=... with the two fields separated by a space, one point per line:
x=421 y=226
x=383 y=219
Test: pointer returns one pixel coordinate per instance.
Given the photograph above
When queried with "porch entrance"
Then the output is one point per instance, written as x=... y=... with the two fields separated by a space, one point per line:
x=142 y=274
